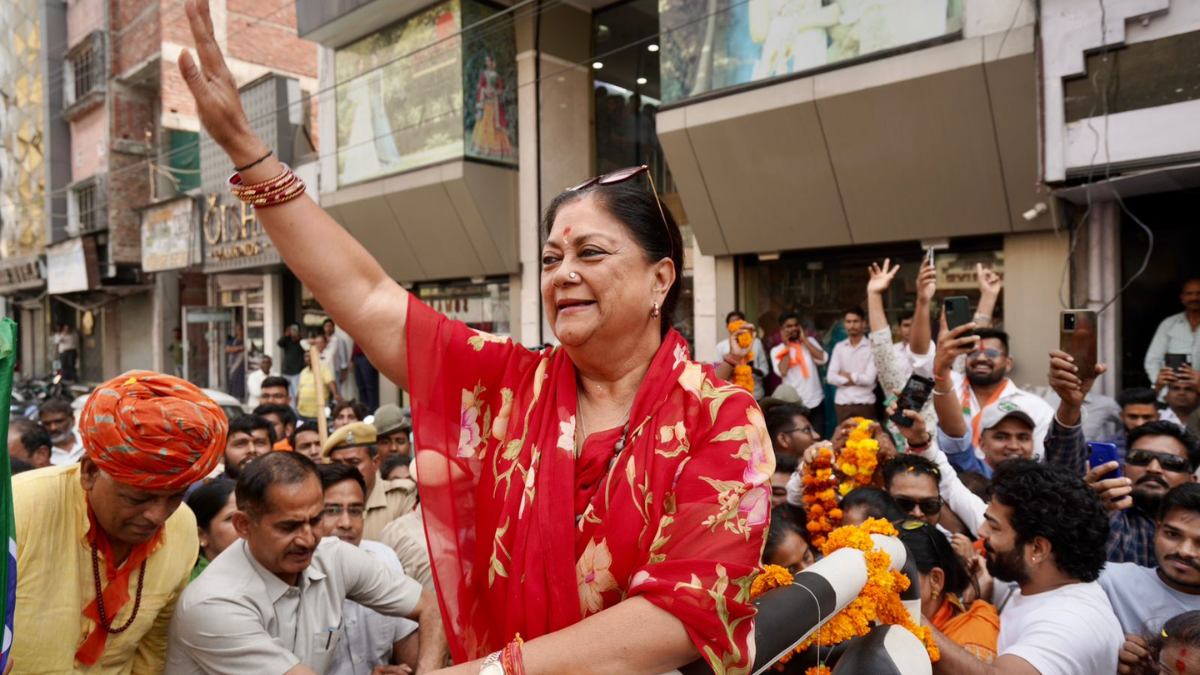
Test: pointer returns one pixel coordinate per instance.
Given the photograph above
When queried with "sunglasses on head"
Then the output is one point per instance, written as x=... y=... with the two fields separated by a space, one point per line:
x=930 y=507
x=622 y=175
x=1172 y=463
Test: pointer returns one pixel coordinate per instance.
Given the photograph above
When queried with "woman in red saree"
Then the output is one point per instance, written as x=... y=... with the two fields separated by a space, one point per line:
x=606 y=499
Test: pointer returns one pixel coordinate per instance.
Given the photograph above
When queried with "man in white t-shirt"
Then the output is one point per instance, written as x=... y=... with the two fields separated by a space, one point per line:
x=795 y=362
x=1045 y=531
x=1143 y=598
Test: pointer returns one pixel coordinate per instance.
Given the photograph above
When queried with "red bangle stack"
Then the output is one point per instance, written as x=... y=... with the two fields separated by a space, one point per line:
x=283 y=188
x=511 y=659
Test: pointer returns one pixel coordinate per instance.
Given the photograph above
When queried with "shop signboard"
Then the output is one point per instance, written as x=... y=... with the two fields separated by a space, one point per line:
x=21 y=273
x=169 y=237
x=747 y=41
x=71 y=266
x=958 y=271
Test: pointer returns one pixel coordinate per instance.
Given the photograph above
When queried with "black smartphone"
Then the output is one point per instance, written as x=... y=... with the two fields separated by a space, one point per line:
x=916 y=392
x=958 y=312
x=1176 y=362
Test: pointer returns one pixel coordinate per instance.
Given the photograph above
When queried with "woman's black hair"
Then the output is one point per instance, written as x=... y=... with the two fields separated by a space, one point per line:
x=637 y=208
x=361 y=410
x=207 y=501
x=1182 y=630
x=929 y=549
x=777 y=532
x=878 y=503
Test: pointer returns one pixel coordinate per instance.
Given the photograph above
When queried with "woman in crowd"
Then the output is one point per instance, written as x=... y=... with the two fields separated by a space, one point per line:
x=349 y=412
x=944 y=581
x=213 y=503
x=606 y=499
x=787 y=544
x=1175 y=650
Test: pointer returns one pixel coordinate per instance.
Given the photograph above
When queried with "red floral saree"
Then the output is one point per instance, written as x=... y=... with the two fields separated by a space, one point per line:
x=525 y=538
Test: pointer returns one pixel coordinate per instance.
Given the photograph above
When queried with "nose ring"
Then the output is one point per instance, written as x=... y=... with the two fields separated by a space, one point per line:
x=573 y=275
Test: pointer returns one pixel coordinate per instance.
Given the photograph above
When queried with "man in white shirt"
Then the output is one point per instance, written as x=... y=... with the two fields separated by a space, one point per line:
x=1177 y=334
x=274 y=602
x=58 y=419
x=255 y=381
x=1045 y=531
x=986 y=382
x=758 y=364
x=1143 y=598
x=852 y=370
x=337 y=352
x=371 y=639
x=795 y=362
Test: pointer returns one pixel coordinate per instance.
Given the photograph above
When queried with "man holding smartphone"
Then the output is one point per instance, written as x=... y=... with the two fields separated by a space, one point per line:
x=1177 y=336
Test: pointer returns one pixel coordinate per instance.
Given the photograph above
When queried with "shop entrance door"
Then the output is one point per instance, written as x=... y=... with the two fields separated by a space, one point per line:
x=204 y=333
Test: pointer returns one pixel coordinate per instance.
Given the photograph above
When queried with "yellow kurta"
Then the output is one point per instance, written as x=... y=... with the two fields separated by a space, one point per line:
x=55 y=582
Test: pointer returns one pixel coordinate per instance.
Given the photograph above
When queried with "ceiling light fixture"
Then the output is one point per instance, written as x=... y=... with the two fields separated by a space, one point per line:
x=597 y=65
x=641 y=80
x=652 y=48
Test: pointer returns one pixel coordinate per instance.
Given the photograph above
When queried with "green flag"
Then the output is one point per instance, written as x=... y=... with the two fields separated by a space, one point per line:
x=8 y=526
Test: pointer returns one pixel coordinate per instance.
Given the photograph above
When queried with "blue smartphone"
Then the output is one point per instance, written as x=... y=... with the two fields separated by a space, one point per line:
x=1101 y=453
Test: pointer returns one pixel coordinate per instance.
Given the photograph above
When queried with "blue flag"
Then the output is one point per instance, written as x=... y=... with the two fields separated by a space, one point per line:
x=8 y=525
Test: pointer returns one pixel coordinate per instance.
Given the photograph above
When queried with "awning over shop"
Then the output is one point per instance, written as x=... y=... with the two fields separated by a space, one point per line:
x=454 y=220
x=935 y=143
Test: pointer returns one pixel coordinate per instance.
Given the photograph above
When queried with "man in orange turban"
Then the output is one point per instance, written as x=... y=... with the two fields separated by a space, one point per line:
x=103 y=549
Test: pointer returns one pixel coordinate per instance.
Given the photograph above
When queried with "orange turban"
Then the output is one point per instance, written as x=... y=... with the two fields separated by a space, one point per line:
x=153 y=431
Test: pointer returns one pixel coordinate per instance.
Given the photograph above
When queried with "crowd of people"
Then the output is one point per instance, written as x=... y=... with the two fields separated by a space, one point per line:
x=601 y=506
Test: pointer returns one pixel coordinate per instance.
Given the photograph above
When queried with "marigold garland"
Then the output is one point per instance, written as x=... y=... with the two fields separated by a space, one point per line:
x=860 y=457
x=820 y=497
x=773 y=576
x=879 y=599
x=743 y=375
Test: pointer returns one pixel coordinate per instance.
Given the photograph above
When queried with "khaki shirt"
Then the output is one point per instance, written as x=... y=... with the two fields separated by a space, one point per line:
x=238 y=617
x=388 y=501
x=55 y=582
x=406 y=536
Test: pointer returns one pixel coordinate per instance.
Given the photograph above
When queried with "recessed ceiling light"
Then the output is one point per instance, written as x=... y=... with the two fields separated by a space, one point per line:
x=653 y=48
x=597 y=65
x=641 y=80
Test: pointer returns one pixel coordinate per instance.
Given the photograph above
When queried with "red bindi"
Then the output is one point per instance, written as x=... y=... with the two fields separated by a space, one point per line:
x=1181 y=665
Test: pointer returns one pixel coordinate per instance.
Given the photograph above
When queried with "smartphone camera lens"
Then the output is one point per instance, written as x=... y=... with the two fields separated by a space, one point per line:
x=1068 y=322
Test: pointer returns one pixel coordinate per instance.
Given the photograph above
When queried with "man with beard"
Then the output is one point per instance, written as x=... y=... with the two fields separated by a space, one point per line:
x=250 y=437
x=112 y=523
x=852 y=370
x=986 y=383
x=1161 y=455
x=371 y=638
x=795 y=362
x=1044 y=531
x=1144 y=599
x=1177 y=334
x=274 y=602
x=57 y=418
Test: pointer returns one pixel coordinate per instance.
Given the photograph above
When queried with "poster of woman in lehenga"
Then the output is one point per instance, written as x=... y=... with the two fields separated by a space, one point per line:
x=490 y=138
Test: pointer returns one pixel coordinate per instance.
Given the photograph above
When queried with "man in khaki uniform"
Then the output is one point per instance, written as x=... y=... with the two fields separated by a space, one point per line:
x=406 y=536
x=387 y=500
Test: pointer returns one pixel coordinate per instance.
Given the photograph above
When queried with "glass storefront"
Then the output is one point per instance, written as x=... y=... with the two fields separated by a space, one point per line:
x=627 y=99
x=713 y=45
x=482 y=306
x=437 y=86
x=822 y=284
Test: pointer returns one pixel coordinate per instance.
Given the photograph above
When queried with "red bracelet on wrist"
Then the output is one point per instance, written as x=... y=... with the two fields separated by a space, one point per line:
x=940 y=378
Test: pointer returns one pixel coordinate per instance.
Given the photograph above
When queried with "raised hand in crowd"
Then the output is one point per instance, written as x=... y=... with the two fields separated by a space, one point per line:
x=1071 y=389
x=737 y=353
x=990 y=286
x=917 y=435
x=1166 y=376
x=922 y=331
x=951 y=345
x=881 y=280
x=1187 y=374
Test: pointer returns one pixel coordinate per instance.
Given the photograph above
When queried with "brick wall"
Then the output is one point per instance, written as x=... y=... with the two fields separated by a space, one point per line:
x=128 y=188
x=264 y=32
x=135 y=32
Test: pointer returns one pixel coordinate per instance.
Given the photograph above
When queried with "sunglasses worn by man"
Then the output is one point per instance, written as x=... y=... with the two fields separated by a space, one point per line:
x=1169 y=462
x=929 y=507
